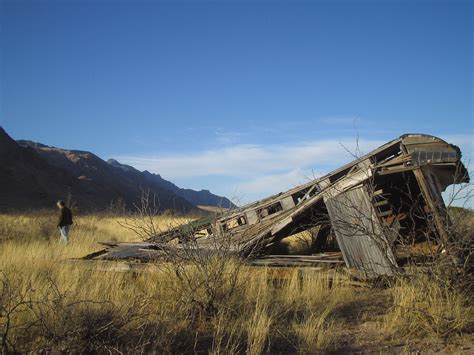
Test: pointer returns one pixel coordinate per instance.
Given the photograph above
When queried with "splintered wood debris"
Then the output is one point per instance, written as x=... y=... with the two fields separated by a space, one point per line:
x=357 y=214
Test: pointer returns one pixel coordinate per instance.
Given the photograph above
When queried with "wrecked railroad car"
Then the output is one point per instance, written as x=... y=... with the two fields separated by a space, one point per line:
x=363 y=209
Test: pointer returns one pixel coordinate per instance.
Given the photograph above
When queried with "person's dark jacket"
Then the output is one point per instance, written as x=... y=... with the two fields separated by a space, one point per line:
x=65 y=217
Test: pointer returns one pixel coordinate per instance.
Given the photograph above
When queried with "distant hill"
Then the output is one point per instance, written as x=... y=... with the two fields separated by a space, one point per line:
x=34 y=175
x=197 y=198
x=28 y=181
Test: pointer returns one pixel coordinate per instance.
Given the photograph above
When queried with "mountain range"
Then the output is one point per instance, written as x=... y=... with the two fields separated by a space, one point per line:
x=35 y=175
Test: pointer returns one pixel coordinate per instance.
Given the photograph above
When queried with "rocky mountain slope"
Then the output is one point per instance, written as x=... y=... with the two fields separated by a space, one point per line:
x=34 y=175
x=198 y=198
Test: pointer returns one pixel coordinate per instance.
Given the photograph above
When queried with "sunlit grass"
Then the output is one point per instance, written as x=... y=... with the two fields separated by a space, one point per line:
x=73 y=306
x=422 y=307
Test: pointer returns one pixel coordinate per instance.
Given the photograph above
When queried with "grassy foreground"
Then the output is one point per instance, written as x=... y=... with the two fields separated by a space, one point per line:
x=50 y=304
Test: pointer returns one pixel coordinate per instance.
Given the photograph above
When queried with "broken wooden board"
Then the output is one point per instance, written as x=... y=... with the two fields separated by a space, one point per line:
x=322 y=261
x=426 y=163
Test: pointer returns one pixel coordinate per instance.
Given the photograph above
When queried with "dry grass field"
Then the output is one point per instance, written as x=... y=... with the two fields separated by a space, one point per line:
x=48 y=303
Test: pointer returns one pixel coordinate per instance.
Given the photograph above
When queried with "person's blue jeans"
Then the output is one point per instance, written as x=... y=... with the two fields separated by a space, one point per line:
x=64 y=230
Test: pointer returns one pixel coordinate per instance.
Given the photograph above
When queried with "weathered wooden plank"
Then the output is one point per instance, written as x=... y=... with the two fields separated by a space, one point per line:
x=359 y=233
x=248 y=229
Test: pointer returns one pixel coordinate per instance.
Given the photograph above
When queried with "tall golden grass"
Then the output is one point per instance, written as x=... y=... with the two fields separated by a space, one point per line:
x=422 y=307
x=48 y=303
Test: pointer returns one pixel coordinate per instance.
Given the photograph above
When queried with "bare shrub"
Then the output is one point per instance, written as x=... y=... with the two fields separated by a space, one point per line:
x=117 y=207
x=66 y=323
x=142 y=221
x=205 y=275
x=15 y=301
x=49 y=319
x=452 y=263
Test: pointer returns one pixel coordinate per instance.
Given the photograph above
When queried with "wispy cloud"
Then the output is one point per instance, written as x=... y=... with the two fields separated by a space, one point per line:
x=257 y=170
x=289 y=127
x=229 y=137
x=250 y=169
x=247 y=160
x=282 y=181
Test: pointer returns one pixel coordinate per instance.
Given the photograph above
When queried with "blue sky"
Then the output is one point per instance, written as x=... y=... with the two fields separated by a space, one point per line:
x=245 y=98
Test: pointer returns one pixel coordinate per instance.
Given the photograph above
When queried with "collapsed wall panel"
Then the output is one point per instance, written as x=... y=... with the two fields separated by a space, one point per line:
x=359 y=233
x=368 y=204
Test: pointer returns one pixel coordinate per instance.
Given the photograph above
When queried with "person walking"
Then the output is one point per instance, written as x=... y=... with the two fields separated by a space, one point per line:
x=65 y=221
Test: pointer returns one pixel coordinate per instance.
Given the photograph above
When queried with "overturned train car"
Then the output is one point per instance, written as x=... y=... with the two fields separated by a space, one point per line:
x=368 y=208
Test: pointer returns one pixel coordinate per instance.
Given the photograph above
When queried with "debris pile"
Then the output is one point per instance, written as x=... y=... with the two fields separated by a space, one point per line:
x=364 y=209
